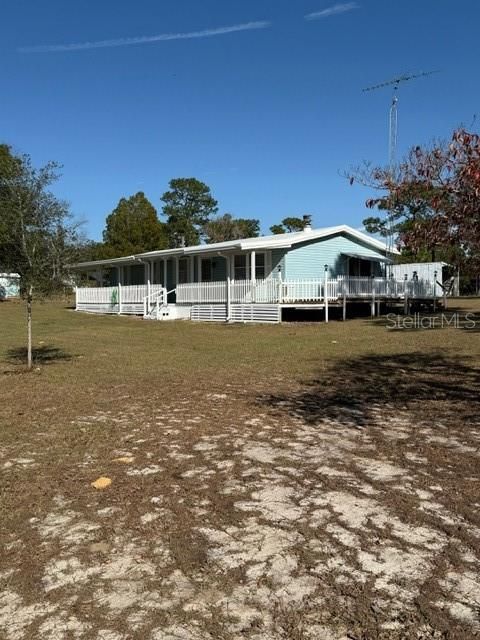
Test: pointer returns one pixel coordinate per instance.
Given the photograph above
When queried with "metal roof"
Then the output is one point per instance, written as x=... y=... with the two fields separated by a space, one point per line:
x=279 y=241
x=364 y=256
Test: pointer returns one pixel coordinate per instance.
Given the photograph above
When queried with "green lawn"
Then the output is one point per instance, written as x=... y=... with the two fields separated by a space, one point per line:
x=92 y=360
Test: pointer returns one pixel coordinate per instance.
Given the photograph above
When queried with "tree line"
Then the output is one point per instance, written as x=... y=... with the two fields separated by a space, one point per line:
x=190 y=217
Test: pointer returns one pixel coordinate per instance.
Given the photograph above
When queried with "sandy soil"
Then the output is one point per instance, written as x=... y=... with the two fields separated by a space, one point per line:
x=229 y=518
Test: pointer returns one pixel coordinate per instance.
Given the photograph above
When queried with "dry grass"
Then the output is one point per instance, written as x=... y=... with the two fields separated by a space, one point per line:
x=297 y=481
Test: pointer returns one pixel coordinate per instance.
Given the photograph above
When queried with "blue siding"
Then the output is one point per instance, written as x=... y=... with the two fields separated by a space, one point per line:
x=307 y=260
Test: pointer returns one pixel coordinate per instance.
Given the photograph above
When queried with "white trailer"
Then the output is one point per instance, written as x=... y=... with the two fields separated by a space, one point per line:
x=9 y=285
x=427 y=271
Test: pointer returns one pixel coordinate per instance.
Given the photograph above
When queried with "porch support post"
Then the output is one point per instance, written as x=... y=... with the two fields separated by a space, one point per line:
x=252 y=274
x=119 y=298
x=176 y=269
x=199 y=268
x=373 y=297
x=280 y=288
x=405 y=303
x=147 y=277
x=165 y=271
x=192 y=268
x=229 y=299
x=325 y=292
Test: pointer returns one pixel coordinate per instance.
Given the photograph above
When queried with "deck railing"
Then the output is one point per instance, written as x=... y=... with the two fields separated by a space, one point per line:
x=208 y=292
x=133 y=298
x=118 y=299
x=365 y=287
x=275 y=291
x=265 y=291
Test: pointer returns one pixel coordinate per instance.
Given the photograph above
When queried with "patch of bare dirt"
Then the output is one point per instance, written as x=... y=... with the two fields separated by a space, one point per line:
x=231 y=518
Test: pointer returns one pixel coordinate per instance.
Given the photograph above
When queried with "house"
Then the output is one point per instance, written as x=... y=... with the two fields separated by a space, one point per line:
x=249 y=279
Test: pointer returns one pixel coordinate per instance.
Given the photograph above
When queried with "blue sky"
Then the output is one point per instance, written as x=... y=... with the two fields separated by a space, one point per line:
x=266 y=114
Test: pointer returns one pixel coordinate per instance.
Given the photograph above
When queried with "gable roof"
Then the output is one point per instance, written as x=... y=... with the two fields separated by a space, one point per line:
x=279 y=241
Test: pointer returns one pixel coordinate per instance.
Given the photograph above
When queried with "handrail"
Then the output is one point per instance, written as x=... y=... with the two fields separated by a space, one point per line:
x=156 y=295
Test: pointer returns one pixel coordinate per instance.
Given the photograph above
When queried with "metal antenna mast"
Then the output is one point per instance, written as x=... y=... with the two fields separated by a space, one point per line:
x=393 y=132
x=393 y=127
x=393 y=121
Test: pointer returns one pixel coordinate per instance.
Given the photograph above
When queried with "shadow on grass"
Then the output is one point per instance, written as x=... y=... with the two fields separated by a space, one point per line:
x=352 y=389
x=41 y=355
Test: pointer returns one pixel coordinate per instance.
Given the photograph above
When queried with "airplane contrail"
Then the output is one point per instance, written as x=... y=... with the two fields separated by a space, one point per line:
x=332 y=11
x=162 y=37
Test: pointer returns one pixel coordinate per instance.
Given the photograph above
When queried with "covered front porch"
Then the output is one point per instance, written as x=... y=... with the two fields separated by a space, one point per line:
x=174 y=268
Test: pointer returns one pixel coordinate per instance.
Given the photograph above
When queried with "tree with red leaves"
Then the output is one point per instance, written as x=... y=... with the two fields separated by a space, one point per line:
x=432 y=200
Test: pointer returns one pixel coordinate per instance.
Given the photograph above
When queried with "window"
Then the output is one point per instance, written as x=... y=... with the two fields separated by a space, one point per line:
x=240 y=267
x=206 y=270
x=260 y=266
x=182 y=271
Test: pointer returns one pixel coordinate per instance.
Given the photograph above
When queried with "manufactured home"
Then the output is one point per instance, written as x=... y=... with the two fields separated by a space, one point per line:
x=250 y=279
x=9 y=285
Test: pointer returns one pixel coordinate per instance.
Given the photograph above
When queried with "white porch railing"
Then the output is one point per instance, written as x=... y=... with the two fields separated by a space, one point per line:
x=208 y=292
x=273 y=291
x=266 y=291
x=128 y=299
x=144 y=299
